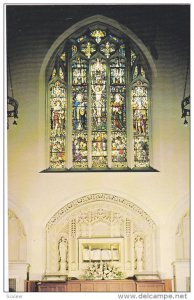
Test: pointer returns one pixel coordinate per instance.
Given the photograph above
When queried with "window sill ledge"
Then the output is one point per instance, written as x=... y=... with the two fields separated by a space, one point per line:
x=129 y=170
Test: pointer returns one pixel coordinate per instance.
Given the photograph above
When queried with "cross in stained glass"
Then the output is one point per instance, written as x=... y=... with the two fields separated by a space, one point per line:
x=88 y=49
x=98 y=35
x=108 y=49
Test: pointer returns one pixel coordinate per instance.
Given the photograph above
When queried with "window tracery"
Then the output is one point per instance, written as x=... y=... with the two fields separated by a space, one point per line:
x=99 y=104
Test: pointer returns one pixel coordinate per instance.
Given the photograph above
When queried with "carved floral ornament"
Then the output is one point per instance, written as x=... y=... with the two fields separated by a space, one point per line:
x=73 y=205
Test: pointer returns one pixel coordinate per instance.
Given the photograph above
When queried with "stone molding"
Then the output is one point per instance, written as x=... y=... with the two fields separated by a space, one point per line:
x=80 y=202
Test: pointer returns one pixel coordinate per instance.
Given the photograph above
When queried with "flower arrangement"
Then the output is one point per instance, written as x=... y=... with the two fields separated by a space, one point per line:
x=102 y=270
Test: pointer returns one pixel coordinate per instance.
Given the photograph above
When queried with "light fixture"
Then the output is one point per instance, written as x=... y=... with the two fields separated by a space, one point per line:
x=12 y=104
x=185 y=103
x=12 y=110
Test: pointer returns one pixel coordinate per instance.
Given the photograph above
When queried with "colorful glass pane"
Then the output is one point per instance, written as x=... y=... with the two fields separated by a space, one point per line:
x=107 y=49
x=81 y=38
x=63 y=57
x=117 y=72
x=79 y=72
x=140 y=125
x=54 y=73
x=118 y=108
x=79 y=107
x=135 y=73
x=98 y=35
x=61 y=74
x=58 y=124
x=142 y=72
x=99 y=149
x=122 y=50
x=79 y=112
x=114 y=38
x=119 y=149
x=88 y=49
x=118 y=113
x=74 y=50
x=80 y=151
x=98 y=87
x=141 y=152
x=133 y=57
x=99 y=114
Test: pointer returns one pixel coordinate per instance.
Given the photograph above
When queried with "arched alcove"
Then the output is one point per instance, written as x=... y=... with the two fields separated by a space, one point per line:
x=100 y=227
x=17 y=239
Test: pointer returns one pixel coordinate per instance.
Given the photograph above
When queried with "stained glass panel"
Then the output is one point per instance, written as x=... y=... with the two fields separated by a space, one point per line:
x=54 y=73
x=58 y=125
x=88 y=49
x=122 y=50
x=79 y=72
x=135 y=73
x=117 y=72
x=98 y=35
x=74 y=50
x=107 y=49
x=80 y=150
x=140 y=125
x=79 y=107
x=141 y=152
x=133 y=57
x=118 y=108
x=118 y=112
x=119 y=149
x=99 y=149
x=99 y=114
x=63 y=57
x=61 y=74
x=79 y=112
x=142 y=72
x=82 y=38
x=97 y=117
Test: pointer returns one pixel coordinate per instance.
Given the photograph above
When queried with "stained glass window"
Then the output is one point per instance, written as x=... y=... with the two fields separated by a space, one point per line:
x=140 y=124
x=99 y=97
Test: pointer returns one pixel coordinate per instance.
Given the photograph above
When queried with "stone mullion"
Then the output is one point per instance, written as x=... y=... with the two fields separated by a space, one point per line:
x=108 y=111
x=149 y=126
x=69 y=113
x=129 y=113
x=89 y=117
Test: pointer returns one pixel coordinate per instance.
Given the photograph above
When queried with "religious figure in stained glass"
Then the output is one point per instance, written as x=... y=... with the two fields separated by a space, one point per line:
x=57 y=121
x=140 y=124
x=117 y=112
x=80 y=119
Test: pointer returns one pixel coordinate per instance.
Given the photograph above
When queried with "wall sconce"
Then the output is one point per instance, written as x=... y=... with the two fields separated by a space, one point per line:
x=185 y=103
x=12 y=110
x=12 y=104
x=185 y=106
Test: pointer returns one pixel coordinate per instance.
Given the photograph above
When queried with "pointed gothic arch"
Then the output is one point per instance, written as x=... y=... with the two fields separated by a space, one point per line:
x=106 y=140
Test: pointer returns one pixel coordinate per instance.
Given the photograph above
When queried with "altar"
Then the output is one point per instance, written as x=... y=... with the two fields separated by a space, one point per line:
x=125 y=285
x=107 y=230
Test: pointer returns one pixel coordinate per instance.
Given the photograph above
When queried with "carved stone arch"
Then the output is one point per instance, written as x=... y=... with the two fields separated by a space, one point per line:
x=183 y=237
x=17 y=244
x=101 y=217
x=100 y=197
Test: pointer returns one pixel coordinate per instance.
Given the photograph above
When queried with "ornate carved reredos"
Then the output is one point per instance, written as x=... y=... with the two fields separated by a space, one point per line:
x=129 y=208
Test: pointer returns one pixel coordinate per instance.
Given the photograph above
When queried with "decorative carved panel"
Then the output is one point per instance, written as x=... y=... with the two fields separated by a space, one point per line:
x=100 y=217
